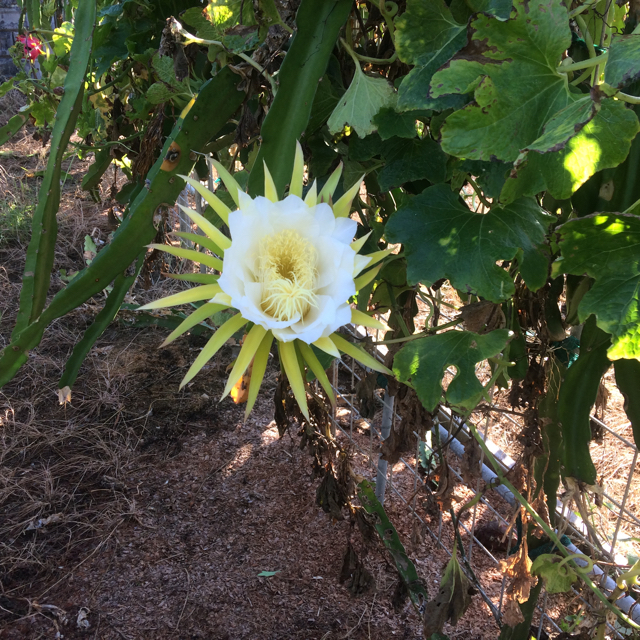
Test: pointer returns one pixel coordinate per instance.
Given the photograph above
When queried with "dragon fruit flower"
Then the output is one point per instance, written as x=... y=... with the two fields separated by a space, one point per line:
x=289 y=268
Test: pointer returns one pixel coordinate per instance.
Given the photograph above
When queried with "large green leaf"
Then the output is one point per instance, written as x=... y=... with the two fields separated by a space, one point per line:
x=361 y=102
x=444 y=239
x=623 y=64
x=607 y=248
x=423 y=363
x=602 y=143
x=509 y=112
x=416 y=160
x=426 y=36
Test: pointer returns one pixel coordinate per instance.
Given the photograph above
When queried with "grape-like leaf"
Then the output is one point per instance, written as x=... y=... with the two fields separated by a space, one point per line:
x=390 y=123
x=607 y=248
x=361 y=102
x=444 y=239
x=602 y=143
x=557 y=577
x=426 y=36
x=416 y=160
x=508 y=114
x=623 y=64
x=423 y=363
x=499 y=8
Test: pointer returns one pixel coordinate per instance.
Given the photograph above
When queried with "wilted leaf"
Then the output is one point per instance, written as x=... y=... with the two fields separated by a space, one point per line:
x=482 y=317
x=453 y=599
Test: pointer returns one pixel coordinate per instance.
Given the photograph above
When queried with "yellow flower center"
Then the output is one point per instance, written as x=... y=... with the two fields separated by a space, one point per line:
x=287 y=269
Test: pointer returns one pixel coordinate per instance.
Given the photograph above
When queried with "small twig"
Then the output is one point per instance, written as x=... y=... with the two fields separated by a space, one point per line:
x=186 y=598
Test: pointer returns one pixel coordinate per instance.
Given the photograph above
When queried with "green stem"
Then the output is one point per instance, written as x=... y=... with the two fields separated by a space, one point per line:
x=582 y=8
x=478 y=191
x=548 y=530
x=388 y=17
x=358 y=57
x=584 y=64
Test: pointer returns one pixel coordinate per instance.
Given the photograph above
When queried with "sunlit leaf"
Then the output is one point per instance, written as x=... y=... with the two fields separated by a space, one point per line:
x=423 y=363
x=362 y=101
x=602 y=143
x=606 y=247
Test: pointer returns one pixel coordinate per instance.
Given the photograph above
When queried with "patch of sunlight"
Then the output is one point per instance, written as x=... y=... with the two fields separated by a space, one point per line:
x=582 y=159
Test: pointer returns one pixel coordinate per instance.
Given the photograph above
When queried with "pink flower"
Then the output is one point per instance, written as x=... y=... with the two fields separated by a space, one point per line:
x=32 y=47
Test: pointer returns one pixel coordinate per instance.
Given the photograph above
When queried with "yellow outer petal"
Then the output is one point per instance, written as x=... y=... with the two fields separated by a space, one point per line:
x=291 y=366
x=222 y=298
x=203 y=241
x=327 y=346
x=364 y=319
x=367 y=277
x=249 y=347
x=212 y=347
x=376 y=256
x=198 y=316
x=229 y=181
x=311 y=199
x=315 y=365
x=331 y=184
x=199 y=278
x=356 y=245
x=194 y=294
x=216 y=204
x=270 y=191
x=358 y=354
x=189 y=254
x=212 y=232
x=259 y=367
x=342 y=208
x=295 y=188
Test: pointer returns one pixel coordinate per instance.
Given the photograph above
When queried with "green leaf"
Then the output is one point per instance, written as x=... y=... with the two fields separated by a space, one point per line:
x=267 y=574
x=361 y=102
x=490 y=176
x=602 y=143
x=565 y=124
x=412 y=161
x=163 y=66
x=159 y=92
x=557 y=577
x=426 y=36
x=623 y=64
x=423 y=363
x=508 y=113
x=390 y=123
x=499 y=8
x=607 y=248
x=444 y=239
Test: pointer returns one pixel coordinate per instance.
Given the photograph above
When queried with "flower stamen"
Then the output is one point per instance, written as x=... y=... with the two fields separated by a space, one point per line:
x=287 y=267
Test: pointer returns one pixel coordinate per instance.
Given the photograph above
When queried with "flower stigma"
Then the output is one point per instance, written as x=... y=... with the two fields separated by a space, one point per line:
x=287 y=268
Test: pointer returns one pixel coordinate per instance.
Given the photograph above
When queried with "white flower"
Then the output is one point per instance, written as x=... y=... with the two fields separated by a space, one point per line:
x=290 y=268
